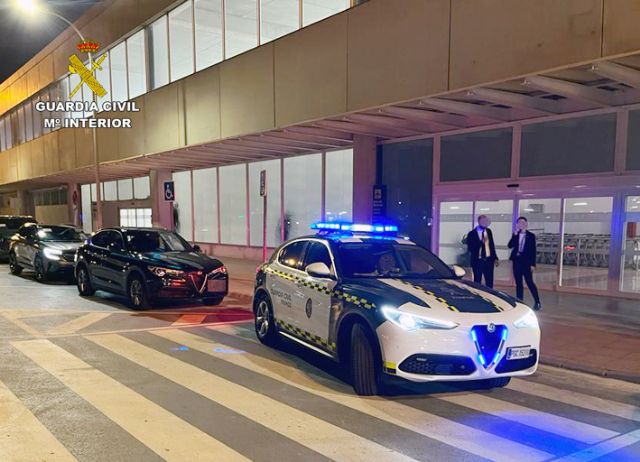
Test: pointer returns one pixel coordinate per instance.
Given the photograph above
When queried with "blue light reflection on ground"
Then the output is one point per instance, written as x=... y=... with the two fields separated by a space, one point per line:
x=180 y=348
x=229 y=351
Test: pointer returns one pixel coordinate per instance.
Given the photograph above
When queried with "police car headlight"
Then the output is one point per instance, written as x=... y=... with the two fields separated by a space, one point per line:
x=52 y=254
x=166 y=272
x=408 y=321
x=528 y=320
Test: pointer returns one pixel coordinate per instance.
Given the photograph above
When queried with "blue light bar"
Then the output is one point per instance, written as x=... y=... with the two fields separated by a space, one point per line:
x=355 y=227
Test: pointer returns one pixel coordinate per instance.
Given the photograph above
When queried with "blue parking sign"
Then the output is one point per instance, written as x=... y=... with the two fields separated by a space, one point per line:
x=169 y=191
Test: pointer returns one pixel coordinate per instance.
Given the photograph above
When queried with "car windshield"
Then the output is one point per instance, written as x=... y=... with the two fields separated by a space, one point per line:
x=156 y=241
x=15 y=222
x=390 y=260
x=60 y=234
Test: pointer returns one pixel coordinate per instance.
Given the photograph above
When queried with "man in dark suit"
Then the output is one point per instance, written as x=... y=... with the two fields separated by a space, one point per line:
x=523 y=255
x=482 y=250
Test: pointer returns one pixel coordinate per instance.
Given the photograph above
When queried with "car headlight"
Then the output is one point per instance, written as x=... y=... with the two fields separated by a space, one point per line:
x=166 y=272
x=52 y=254
x=408 y=321
x=528 y=320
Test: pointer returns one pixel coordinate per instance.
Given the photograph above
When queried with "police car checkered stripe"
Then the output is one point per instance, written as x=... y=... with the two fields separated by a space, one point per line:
x=306 y=336
x=355 y=300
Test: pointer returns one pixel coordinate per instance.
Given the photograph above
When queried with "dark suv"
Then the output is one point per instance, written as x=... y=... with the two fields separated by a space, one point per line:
x=9 y=225
x=47 y=250
x=148 y=264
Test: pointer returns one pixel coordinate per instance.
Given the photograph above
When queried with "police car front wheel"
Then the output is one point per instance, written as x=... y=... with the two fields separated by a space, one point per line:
x=264 y=322
x=365 y=376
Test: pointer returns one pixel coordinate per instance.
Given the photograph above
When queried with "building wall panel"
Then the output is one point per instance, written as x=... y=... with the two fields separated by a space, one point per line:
x=202 y=106
x=84 y=147
x=131 y=141
x=161 y=119
x=621 y=31
x=23 y=158
x=497 y=39
x=67 y=148
x=246 y=92
x=311 y=72
x=36 y=152
x=397 y=51
x=51 y=153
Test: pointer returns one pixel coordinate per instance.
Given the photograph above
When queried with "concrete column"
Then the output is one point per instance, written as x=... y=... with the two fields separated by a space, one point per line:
x=161 y=210
x=24 y=203
x=74 y=202
x=364 y=177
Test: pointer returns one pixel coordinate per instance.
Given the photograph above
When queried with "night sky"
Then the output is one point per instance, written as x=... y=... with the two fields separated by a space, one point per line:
x=22 y=37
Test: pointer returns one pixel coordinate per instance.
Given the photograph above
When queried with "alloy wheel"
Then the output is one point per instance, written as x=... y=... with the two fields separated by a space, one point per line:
x=262 y=318
x=82 y=280
x=136 y=292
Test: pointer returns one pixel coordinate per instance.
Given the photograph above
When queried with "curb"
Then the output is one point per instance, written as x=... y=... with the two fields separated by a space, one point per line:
x=563 y=364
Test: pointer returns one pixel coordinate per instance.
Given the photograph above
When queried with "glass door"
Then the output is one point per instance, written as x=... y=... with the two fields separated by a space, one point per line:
x=500 y=212
x=586 y=242
x=544 y=217
x=630 y=265
x=456 y=220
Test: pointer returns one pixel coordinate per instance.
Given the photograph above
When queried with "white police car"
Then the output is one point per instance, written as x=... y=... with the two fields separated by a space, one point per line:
x=384 y=305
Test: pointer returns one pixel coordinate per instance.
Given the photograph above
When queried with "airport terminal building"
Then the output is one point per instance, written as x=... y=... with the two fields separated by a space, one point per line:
x=419 y=112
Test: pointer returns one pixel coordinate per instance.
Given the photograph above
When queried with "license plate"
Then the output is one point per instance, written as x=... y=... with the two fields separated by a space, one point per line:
x=216 y=285
x=518 y=353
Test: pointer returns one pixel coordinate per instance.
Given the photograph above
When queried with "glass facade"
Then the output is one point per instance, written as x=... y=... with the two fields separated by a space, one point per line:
x=302 y=194
x=278 y=18
x=233 y=204
x=241 y=26
x=577 y=145
x=476 y=156
x=205 y=205
x=191 y=37
x=339 y=185
x=182 y=211
x=256 y=202
x=630 y=265
x=159 y=53
x=208 y=27
x=181 y=41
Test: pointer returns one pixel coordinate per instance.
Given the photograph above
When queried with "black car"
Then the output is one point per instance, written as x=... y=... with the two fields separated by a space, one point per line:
x=149 y=264
x=9 y=225
x=47 y=250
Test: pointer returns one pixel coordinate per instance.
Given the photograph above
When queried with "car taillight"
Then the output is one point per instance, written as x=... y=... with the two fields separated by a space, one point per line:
x=221 y=270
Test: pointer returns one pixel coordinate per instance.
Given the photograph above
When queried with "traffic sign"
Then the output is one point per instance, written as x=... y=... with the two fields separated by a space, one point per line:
x=169 y=191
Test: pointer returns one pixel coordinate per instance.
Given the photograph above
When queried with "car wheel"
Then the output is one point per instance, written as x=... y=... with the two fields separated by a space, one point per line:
x=83 y=281
x=39 y=272
x=212 y=301
x=14 y=268
x=498 y=382
x=137 y=292
x=365 y=376
x=264 y=322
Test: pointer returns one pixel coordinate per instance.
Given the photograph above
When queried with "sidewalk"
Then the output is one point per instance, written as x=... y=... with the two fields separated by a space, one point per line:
x=600 y=335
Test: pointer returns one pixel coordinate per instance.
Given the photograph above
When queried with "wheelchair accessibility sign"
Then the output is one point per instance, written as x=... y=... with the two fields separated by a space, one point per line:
x=169 y=191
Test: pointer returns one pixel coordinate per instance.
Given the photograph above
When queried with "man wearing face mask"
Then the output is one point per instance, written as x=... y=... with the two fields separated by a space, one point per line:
x=482 y=251
x=523 y=256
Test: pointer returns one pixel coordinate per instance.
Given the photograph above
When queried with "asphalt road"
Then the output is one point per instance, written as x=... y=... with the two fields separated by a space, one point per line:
x=89 y=380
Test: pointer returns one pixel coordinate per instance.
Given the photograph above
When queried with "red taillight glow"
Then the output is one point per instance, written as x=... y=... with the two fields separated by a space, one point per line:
x=221 y=270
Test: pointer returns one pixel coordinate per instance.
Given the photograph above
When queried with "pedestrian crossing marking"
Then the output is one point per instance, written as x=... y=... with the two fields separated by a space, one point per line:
x=161 y=431
x=14 y=318
x=551 y=423
x=432 y=426
x=318 y=435
x=593 y=403
x=604 y=448
x=82 y=322
x=23 y=437
x=190 y=319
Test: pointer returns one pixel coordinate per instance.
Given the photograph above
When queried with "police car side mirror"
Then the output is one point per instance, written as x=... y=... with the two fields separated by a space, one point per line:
x=196 y=248
x=318 y=270
x=458 y=271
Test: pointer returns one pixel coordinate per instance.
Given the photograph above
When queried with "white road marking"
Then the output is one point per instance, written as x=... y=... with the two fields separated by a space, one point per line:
x=164 y=433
